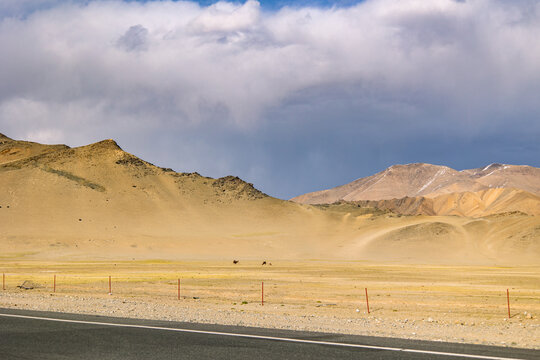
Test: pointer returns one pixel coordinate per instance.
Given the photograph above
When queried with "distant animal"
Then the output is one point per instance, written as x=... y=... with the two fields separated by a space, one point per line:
x=270 y=264
x=235 y=261
x=264 y=262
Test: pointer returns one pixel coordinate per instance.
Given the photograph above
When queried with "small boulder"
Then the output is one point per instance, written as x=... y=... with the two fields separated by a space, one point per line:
x=28 y=285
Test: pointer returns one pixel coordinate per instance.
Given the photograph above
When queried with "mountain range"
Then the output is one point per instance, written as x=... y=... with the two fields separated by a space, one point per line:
x=99 y=202
x=439 y=190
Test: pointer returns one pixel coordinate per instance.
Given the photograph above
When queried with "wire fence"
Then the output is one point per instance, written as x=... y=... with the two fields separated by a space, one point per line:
x=371 y=298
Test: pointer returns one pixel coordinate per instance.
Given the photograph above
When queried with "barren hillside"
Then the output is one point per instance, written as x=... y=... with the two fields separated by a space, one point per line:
x=100 y=202
x=472 y=204
x=440 y=190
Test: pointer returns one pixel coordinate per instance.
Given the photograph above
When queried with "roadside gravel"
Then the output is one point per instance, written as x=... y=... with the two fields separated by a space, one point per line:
x=522 y=330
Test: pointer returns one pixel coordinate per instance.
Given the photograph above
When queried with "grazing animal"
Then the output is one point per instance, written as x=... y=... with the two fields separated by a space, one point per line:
x=235 y=261
x=264 y=262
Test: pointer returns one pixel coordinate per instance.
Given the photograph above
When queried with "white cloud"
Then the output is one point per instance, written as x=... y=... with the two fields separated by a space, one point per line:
x=227 y=17
x=234 y=61
x=49 y=136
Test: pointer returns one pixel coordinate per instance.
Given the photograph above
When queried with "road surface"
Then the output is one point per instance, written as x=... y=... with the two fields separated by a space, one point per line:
x=47 y=335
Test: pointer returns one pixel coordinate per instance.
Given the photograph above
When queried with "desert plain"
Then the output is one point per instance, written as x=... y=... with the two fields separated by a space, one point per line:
x=442 y=303
x=434 y=268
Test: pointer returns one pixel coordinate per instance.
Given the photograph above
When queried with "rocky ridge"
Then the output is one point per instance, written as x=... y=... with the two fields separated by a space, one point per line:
x=439 y=190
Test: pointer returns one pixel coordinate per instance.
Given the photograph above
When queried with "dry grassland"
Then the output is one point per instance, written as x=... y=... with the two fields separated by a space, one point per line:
x=450 y=303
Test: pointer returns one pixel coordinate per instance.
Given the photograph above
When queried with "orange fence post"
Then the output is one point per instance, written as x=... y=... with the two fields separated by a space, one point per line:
x=508 y=302
x=3 y=281
x=110 y=287
x=367 y=301
x=262 y=293
x=54 y=285
x=178 y=289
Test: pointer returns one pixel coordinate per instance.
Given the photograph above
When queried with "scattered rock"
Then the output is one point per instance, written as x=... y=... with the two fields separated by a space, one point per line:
x=237 y=188
x=28 y=285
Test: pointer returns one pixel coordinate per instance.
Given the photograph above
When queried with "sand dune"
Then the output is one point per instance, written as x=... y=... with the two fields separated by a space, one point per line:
x=100 y=202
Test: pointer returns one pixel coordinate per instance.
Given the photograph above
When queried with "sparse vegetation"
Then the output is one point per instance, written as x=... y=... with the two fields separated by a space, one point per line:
x=131 y=161
x=75 y=178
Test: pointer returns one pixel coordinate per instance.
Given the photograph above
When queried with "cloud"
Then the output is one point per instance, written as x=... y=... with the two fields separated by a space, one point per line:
x=10 y=8
x=135 y=39
x=317 y=82
x=223 y=17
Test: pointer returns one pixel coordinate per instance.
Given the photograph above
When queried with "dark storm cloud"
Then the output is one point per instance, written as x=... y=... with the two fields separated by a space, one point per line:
x=292 y=100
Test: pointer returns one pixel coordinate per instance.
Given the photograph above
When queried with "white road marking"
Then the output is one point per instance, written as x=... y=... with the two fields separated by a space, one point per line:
x=440 y=353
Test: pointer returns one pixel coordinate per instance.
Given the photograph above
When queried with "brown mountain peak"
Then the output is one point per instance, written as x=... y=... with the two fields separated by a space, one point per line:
x=107 y=144
x=420 y=179
x=101 y=147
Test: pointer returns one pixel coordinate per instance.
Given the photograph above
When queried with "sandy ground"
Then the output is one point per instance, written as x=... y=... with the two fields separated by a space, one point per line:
x=444 y=303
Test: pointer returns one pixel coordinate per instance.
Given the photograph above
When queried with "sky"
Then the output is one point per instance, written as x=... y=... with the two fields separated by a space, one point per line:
x=291 y=96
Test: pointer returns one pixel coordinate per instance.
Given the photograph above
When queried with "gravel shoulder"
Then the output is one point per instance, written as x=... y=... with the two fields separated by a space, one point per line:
x=519 y=331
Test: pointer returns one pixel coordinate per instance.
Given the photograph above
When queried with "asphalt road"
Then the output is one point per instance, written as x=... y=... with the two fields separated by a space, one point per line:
x=47 y=335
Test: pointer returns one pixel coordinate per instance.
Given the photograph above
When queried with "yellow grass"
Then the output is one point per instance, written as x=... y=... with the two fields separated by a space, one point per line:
x=463 y=293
